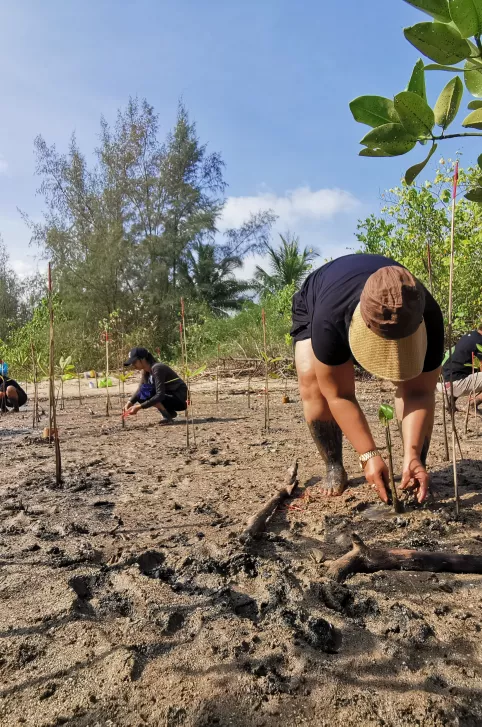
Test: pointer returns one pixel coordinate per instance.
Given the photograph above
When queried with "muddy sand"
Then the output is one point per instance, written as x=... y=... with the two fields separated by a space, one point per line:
x=126 y=598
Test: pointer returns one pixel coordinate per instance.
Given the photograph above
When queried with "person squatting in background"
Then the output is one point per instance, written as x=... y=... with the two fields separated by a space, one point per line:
x=367 y=309
x=160 y=387
x=12 y=396
x=464 y=382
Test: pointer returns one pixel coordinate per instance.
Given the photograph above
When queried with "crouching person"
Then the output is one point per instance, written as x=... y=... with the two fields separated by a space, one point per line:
x=460 y=369
x=160 y=387
x=12 y=396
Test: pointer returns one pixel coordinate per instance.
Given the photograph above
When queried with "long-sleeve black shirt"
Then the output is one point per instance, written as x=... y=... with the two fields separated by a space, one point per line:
x=155 y=385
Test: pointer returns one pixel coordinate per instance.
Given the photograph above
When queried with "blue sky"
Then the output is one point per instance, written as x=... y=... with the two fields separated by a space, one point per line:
x=268 y=83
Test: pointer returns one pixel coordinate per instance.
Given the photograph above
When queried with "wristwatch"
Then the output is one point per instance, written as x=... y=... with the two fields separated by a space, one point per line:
x=363 y=459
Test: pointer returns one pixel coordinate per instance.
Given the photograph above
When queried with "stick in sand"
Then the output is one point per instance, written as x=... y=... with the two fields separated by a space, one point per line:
x=217 y=379
x=450 y=336
x=53 y=433
x=474 y=396
x=266 y=382
x=362 y=559
x=185 y=366
x=35 y=416
x=257 y=523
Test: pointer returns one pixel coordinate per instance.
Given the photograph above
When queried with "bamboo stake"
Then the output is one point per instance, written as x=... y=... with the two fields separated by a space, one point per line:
x=467 y=412
x=52 y=402
x=185 y=366
x=217 y=378
x=35 y=416
x=80 y=394
x=266 y=392
x=474 y=396
x=249 y=389
x=107 y=402
x=189 y=398
x=450 y=336
x=393 y=490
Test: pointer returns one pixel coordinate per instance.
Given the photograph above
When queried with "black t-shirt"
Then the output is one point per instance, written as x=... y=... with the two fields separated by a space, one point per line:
x=462 y=355
x=323 y=309
x=163 y=380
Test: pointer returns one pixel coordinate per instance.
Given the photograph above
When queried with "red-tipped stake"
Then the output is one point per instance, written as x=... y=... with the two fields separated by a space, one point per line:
x=450 y=336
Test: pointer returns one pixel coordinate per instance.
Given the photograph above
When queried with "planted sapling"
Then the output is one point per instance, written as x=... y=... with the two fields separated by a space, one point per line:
x=385 y=414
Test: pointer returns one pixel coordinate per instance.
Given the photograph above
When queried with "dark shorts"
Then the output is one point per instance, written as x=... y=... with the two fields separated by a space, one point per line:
x=174 y=403
x=301 y=319
x=22 y=399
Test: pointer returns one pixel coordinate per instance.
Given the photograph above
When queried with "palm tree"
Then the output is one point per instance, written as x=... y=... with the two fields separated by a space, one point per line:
x=289 y=266
x=211 y=278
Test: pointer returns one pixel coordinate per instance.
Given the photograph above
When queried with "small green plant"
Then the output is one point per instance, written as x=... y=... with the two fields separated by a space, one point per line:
x=67 y=373
x=385 y=415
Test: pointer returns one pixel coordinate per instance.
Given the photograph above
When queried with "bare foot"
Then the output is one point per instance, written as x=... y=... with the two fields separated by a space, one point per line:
x=335 y=482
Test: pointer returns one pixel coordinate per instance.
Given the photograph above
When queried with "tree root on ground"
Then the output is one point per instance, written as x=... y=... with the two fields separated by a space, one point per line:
x=257 y=523
x=362 y=559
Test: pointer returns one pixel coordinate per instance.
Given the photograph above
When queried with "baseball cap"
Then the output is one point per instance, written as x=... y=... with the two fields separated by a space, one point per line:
x=135 y=354
x=387 y=332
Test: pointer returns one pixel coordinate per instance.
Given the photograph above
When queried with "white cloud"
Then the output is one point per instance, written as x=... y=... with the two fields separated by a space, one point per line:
x=301 y=204
x=3 y=165
x=27 y=266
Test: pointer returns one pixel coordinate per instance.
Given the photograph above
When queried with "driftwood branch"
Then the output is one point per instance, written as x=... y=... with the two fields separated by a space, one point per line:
x=362 y=559
x=257 y=523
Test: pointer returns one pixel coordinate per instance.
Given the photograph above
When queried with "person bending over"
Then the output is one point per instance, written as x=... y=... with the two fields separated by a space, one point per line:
x=464 y=382
x=160 y=387
x=370 y=310
x=12 y=396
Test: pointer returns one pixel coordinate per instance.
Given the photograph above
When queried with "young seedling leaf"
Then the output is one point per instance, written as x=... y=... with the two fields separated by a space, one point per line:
x=441 y=43
x=373 y=110
x=417 y=80
x=465 y=16
x=479 y=347
x=373 y=153
x=412 y=173
x=390 y=138
x=474 y=195
x=473 y=78
x=474 y=105
x=385 y=413
x=473 y=120
x=439 y=67
x=438 y=9
x=416 y=116
x=447 y=354
x=448 y=103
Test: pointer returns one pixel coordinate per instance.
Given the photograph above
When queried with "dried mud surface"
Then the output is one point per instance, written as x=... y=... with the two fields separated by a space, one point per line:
x=126 y=598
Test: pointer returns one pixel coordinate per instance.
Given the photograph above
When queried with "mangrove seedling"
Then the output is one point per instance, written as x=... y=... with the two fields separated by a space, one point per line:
x=385 y=414
x=67 y=373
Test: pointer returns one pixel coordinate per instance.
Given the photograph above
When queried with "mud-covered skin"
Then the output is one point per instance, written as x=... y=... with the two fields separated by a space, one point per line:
x=328 y=438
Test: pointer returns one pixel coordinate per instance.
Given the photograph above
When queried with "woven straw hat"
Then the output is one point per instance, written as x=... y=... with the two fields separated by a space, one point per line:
x=387 y=332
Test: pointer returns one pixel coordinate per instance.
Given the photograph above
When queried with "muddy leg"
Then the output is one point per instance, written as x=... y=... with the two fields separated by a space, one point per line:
x=328 y=438
x=324 y=430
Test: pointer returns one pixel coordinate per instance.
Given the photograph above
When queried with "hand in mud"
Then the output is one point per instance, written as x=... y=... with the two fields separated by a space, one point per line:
x=415 y=477
x=133 y=410
x=376 y=474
